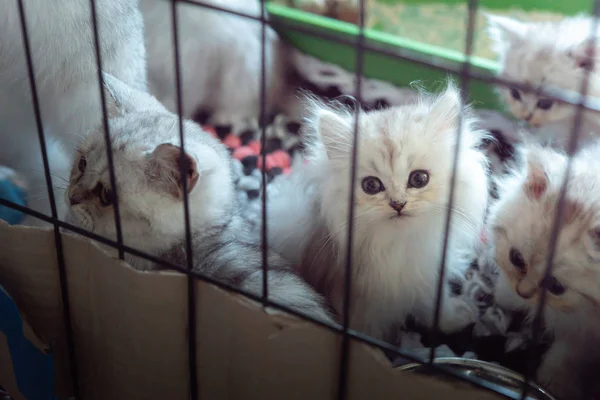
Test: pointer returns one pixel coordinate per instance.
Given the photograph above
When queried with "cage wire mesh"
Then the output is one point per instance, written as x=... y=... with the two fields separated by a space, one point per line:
x=466 y=74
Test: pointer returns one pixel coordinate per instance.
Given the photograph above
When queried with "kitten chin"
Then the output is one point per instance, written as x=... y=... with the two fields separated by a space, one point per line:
x=401 y=197
x=548 y=55
x=520 y=224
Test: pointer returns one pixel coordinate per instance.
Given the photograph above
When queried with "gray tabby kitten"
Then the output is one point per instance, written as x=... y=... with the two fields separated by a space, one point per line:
x=145 y=140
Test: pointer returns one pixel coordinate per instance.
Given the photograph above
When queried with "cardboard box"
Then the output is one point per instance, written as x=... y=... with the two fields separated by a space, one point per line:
x=130 y=334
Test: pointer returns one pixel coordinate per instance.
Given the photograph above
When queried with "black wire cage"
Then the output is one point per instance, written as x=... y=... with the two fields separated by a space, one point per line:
x=466 y=74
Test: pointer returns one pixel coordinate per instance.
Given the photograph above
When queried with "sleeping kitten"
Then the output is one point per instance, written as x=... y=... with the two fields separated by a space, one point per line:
x=520 y=228
x=547 y=55
x=405 y=158
x=64 y=61
x=220 y=57
x=145 y=140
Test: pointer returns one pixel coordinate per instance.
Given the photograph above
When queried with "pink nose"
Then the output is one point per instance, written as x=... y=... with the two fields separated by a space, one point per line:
x=396 y=205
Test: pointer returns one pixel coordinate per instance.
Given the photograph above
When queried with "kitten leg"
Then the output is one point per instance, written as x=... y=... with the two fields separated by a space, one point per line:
x=289 y=290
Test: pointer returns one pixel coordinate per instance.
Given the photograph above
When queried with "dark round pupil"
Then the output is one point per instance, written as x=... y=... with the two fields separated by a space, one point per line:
x=516 y=258
x=372 y=185
x=545 y=104
x=82 y=164
x=418 y=179
x=555 y=287
x=515 y=94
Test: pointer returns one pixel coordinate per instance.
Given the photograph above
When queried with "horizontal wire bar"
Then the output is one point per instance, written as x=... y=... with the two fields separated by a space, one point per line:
x=363 y=338
x=564 y=96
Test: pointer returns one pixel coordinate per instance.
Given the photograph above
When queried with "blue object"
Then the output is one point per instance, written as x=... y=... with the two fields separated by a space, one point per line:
x=11 y=192
x=34 y=370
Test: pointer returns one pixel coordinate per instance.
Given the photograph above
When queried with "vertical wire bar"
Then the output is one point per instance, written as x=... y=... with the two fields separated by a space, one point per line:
x=64 y=290
x=464 y=88
x=538 y=321
x=344 y=359
x=109 y=154
x=263 y=143
x=186 y=210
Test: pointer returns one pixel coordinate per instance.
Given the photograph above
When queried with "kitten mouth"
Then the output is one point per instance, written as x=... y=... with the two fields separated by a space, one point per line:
x=399 y=216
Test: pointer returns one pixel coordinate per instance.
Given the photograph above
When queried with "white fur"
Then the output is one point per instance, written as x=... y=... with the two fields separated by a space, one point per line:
x=395 y=261
x=61 y=42
x=220 y=59
x=145 y=142
x=545 y=55
x=525 y=223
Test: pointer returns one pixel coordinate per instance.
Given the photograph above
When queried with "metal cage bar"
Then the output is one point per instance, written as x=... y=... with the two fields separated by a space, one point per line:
x=538 y=321
x=464 y=84
x=345 y=350
x=62 y=274
x=361 y=45
x=109 y=153
x=183 y=165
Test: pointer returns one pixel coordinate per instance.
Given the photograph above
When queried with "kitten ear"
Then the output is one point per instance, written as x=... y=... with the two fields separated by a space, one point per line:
x=503 y=31
x=537 y=178
x=164 y=167
x=591 y=241
x=447 y=107
x=122 y=98
x=335 y=130
x=586 y=54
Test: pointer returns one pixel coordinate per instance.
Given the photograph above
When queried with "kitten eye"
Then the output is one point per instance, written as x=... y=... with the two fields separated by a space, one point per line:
x=418 y=179
x=555 y=287
x=82 y=164
x=516 y=258
x=372 y=185
x=515 y=94
x=104 y=194
x=545 y=104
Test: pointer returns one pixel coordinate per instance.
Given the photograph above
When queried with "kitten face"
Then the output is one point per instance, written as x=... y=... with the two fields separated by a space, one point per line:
x=521 y=224
x=146 y=160
x=545 y=55
x=404 y=165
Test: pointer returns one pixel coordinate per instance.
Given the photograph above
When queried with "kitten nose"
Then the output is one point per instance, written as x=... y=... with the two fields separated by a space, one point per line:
x=396 y=205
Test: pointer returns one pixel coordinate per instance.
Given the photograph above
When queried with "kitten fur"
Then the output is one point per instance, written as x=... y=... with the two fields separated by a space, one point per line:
x=220 y=57
x=549 y=55
x=145 y=139
x=61 y=43
x=395 y=260
x=523 y=219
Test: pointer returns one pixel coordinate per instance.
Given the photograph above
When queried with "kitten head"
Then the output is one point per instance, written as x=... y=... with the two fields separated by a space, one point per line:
x=521 y=224
x=544 y=55
x=150 y=186
x=404 y=166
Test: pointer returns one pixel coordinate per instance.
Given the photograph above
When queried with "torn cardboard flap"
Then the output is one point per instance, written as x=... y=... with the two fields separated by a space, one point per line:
x=130 y=332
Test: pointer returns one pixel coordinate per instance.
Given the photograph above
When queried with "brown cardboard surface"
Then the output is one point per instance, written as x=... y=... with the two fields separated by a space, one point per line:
x=130 y=330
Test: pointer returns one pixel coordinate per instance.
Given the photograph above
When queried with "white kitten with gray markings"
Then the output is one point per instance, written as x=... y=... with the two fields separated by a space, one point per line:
x=405 y=157
x=64 y=61
x=220 y=59
x=146 y=154
x=548 y=55
x=520 y=227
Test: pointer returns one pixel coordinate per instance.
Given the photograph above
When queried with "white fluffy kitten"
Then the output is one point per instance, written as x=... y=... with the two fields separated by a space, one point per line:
x=220 y=59
x=520 y=228
x=546 y=55
x=405 y=157
x=146 y=154
x=61 y=42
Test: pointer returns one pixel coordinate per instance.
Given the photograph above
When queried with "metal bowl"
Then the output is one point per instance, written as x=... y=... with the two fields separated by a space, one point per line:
x=481 y=370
